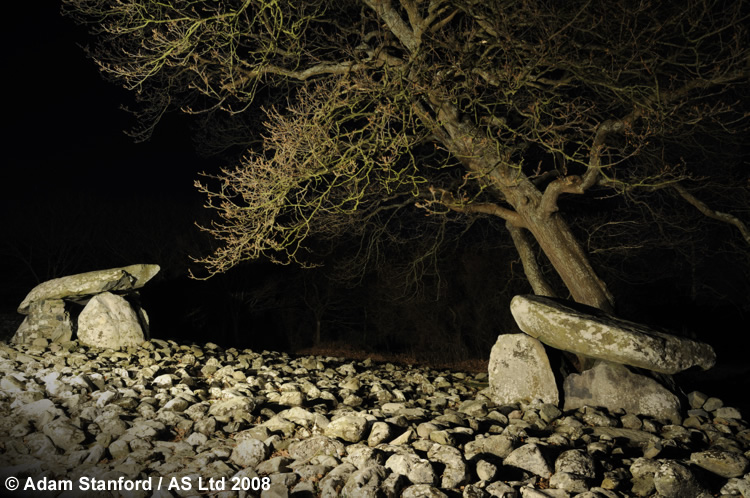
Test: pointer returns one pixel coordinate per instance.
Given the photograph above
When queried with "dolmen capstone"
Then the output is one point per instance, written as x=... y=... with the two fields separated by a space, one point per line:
x=519 y=368
x=111 y=317
x=607 y=337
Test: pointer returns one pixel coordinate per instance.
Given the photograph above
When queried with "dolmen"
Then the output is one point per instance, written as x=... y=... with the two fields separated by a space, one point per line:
x=624 y=354
x=111 y=316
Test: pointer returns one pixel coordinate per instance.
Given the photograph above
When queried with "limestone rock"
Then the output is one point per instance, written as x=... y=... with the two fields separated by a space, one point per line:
x=46 y=319
x=724 y=463
x=349 y=428
x=529 y=457
x=417 y=470
x=365 y=481
x=249 y=453
x=673 y=480
x=614 y=387
x=456 y=471
x=169 y=411
x=603 y=336
x=423 y=491
x=519 y=370
x=108 y=321
x=87 y=284
x=499 y=445
x=63 y=433
x=576 y=462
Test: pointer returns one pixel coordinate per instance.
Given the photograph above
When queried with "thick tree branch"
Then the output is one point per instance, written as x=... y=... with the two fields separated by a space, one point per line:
x=575 y=184
x=317 y=70
x=711 y=213
x=448 y=200
x=531 y=269
x=395 y=23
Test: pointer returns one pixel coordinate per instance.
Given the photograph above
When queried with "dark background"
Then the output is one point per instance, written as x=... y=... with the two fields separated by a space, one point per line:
x=79 y=195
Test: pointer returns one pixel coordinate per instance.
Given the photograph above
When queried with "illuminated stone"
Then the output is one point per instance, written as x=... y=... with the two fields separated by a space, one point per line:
x=596 y=334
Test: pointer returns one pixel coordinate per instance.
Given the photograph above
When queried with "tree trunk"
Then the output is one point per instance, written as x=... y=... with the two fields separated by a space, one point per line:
x=531 y=269
x=480 y=156
x=570 y=261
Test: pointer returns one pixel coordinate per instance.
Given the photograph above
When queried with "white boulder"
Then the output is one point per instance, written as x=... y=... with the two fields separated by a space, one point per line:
x=108 y=321
x=519 y=370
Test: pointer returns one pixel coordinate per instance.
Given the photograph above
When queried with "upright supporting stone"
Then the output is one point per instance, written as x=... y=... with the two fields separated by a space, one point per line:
x=519 y=370
x=108 y=321
x=47 y=319
x=614 y=387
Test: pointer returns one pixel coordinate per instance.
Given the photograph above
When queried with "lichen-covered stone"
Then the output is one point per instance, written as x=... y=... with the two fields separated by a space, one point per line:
x=724 y=463
x=603 y=336
x=519 y=370
x=673 y=480
x=46 y=319
x=108 y=321
x=614 y=387
x=127 y=278
x=530 y=458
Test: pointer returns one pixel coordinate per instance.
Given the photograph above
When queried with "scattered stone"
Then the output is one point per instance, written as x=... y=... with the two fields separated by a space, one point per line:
x=696 y=399
x=528 y=457
x=365 y=482
x=723 y=463
x=175 y=411
x=519 y=370
x=349 y=428
x=615 y=387
x=673 y=480
x=423 y=491
x=417 y=470
x=737 y=486
x=249 y=453
x=576 y=462
x=596 y=334
x=712 y=404
x=727 y=412
x=456 y=471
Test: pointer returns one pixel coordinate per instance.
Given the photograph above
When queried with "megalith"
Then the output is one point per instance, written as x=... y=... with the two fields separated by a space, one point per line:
x=519 y=370
x=108 y=321
x=603 y=336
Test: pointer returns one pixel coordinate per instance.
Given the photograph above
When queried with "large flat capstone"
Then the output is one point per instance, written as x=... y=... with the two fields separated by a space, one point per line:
x=90 y=283
x=607 y=337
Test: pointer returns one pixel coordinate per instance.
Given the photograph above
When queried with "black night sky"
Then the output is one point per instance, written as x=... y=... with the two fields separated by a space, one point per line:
x=68 y=164
x=65 y=128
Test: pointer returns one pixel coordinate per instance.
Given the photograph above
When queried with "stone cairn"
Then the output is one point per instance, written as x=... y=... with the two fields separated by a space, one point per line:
x=111 y=316
x=519 y=368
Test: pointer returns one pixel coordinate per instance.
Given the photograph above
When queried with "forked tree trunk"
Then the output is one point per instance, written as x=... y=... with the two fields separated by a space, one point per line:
x=572 y=265
x=480 y=156
x=531 y=267
x=570 y=261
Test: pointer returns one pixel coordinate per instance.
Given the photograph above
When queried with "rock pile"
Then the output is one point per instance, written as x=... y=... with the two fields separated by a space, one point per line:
x=520 y=370
x=323 y=426
x=107 y=320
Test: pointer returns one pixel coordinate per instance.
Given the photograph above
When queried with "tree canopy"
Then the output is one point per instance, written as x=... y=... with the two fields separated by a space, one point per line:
x=358 y=116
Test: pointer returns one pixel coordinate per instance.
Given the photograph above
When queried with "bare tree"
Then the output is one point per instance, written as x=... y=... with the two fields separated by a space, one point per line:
x=375 y=109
